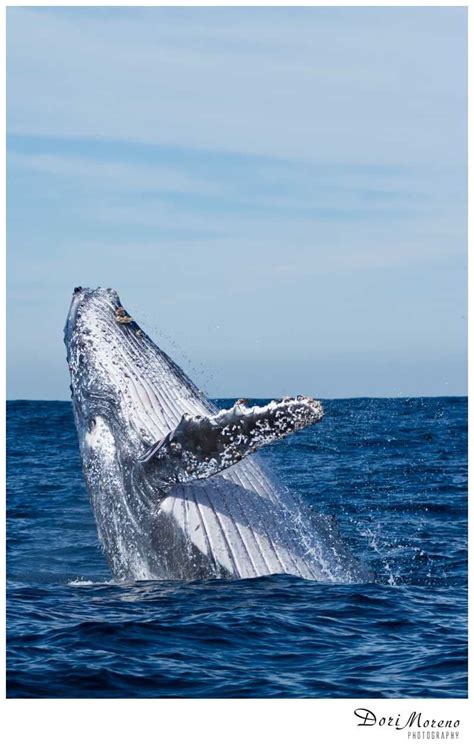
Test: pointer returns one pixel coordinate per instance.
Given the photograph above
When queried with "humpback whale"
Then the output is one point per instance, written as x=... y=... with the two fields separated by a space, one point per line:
x=175 y=485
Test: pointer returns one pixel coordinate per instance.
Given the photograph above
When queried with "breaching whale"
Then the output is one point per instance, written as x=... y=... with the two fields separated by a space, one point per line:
x=176 y=490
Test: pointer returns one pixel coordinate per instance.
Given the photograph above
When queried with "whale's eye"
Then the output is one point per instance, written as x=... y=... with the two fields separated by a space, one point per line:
x=92 y=424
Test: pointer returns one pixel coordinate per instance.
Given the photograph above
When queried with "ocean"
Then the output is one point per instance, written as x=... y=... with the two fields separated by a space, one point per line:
x=393 y=472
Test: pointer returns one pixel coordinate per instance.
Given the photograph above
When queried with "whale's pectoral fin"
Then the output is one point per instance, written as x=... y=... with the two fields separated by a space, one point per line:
x=202 y=446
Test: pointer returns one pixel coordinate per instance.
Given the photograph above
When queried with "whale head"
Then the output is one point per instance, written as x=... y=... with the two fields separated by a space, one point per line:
x=96 y=344
x=120 y=380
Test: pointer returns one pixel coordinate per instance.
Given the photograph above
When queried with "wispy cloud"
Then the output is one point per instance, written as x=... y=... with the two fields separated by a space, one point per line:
x=114 y=175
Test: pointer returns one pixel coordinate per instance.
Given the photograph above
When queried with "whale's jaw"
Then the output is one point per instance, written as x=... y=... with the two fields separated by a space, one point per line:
x=176 y=497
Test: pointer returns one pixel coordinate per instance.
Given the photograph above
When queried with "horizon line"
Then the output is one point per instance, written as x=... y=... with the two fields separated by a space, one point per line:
x=251 y=399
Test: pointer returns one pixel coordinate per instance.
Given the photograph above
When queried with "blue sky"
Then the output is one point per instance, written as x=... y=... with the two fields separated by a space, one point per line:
x=278 y=195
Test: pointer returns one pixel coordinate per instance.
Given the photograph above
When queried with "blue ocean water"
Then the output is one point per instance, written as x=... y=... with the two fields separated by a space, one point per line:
x=394 y=472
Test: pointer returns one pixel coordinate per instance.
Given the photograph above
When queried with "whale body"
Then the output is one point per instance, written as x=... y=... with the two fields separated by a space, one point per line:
x=176 y=489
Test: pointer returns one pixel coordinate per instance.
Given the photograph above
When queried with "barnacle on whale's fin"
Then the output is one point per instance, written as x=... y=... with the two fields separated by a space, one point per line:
x=202 y=446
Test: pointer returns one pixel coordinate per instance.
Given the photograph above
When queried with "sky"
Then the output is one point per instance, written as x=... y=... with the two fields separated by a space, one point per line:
x=279 y=195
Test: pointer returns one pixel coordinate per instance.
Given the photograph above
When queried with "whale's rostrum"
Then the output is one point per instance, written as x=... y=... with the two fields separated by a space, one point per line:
x=176 y=490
